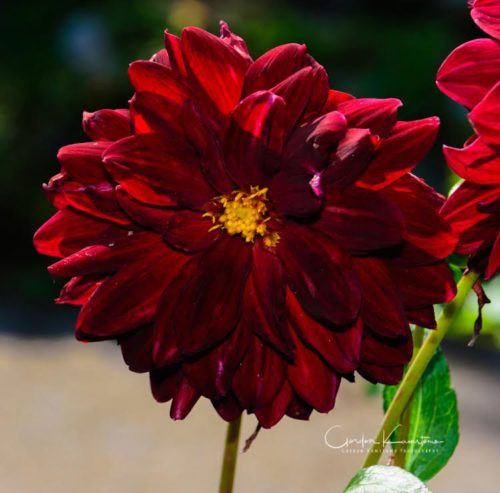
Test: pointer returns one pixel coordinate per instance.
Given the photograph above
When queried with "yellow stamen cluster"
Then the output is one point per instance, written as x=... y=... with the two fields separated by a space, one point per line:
x=245 y=214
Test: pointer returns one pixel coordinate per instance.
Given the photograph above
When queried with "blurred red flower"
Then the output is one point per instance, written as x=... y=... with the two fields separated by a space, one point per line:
x=471 y=76
x=247 y=234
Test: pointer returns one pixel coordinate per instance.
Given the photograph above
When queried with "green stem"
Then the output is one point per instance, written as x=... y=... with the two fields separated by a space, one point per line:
x=417 y=368
x=404 y=429
x=230 y=456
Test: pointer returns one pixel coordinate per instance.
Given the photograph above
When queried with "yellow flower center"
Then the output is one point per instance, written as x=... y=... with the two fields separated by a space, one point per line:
x=245 y=214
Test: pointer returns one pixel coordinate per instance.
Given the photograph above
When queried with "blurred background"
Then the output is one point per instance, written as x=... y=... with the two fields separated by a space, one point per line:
x=71 y=417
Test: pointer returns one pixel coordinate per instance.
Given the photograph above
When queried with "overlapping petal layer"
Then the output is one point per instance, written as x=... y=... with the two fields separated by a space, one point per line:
x=245 y=233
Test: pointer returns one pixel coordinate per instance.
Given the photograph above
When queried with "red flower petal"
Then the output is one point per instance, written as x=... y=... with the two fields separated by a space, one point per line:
x=378 y=115
x=424 y=226
x=484 y=118
x=353 y=154
x=275 y=66
x=400 y=152
x=83 y=162
x=379 y=351
x=78 y=290
x=218 y=68
x=269 y=415
x=137 y=349
x=204 y=138
x=110 y=312
x=486 y=14
x=107 y=124
x=209 y=305
x=476 y=162
x=381 y=308
x=236 y=42
x=388 y=375
x=361 y=220
x=493 y=259
x=470 y=71
x=320 y=274
x=106 y=258
x=174 y=50
x=184 y=400
x=68 y=231
x=265 y=304
x=189 y=231
x=313 y=380
x=158 y=171
x=340 y=349
x=254 y=139
x=260 y=376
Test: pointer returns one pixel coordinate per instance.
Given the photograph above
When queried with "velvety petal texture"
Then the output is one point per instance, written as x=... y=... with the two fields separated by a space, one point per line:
x=248 y=235
x=471 y=76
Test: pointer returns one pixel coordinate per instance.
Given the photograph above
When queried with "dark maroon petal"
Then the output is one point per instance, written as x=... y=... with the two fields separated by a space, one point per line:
x=107 y=124
x=269 y=415
x=486 y=14
x=149 y=216
x=236 y=42
x=161 y=57
x=422 y=286
x=208 y=303
x=158 y=171
x=218 y=68
x=461 y=211
x=95 y=200
x=254 y=139
x=424 y=317
x=320 y=274
x=208 y=146
x=381 y=306
x=105 y=258
x=377 y=350
x=476 y=162
x=313 y=381
x=470 y=71
x=340 y=349
x=83 y=162
x=264 y=311
x=212 y=374
x=296 y=92
x=388 y=375
x=361 y=220
x=494 y=259
x=260 y=376
x=275 y=66
x=164 y=382
x=129 y=299
x=298 y=409
x=351 y=157
x=68 y=231
x=377 y=115
x=154 y=78
x=174 y=50
x=189 y=231
x=152 y=113
x=184 y=400
x=137 y=349
x=335 y=99
x=78 y=290
x=484 y=118
x=228 y=407
x=424 y=226
x=400 y=152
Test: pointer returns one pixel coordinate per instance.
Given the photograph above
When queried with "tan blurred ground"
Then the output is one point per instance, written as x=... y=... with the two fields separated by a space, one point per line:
x=73 y=419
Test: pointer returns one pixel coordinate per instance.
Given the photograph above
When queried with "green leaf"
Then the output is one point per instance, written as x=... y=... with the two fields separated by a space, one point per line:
x=433 y=431
x=385 y=479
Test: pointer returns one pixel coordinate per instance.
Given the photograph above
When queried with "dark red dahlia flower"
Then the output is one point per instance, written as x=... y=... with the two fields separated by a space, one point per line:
x=471 y=76
x=247 y=234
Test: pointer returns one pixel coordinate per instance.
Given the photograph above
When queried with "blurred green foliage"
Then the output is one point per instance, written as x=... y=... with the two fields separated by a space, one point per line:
x=60 y=58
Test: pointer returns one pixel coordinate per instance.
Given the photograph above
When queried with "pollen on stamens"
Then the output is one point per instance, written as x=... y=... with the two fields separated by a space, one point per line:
x=244 y=213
